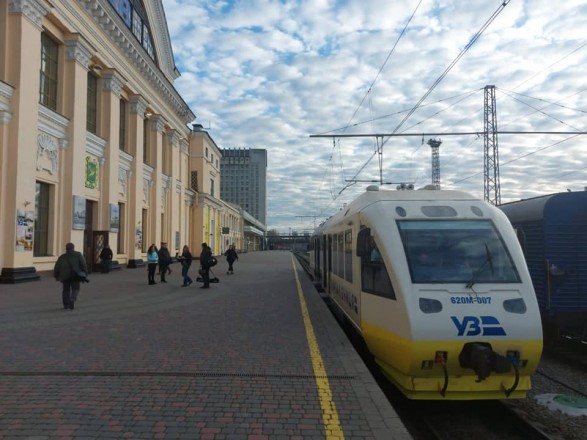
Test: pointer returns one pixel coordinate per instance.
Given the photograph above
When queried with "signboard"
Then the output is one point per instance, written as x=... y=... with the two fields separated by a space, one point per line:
x=25 y=221
x=79 y=212
x=114 y=217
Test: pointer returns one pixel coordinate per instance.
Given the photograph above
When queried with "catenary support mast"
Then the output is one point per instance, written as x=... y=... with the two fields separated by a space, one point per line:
x=492 y=191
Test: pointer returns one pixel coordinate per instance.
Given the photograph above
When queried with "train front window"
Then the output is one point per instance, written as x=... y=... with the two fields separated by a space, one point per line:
x=456 y=251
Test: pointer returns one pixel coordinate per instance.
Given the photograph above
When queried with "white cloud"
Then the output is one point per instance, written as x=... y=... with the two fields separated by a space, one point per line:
x=267 y=74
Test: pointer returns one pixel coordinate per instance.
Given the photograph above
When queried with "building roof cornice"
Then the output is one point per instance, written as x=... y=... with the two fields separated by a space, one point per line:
x=119 y=34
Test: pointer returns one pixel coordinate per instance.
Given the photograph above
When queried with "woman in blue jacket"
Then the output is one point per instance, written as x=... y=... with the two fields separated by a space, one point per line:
x=152 y=260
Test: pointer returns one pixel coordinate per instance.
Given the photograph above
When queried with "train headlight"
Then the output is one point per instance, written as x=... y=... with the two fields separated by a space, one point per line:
x=428 y=305
x=515 y=305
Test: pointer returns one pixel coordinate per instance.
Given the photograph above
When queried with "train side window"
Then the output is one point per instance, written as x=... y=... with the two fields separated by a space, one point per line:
x=521 y=238
x=348 y=256
x=374 y=276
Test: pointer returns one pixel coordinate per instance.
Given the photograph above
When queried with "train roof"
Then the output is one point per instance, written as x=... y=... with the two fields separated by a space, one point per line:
x=565 y=204
x=373 y=195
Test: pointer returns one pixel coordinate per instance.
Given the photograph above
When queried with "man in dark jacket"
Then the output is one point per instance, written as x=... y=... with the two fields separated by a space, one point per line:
x=164 y=260
x=231 y=257
x=205 y=258
x=106 y=257
x=68 y=268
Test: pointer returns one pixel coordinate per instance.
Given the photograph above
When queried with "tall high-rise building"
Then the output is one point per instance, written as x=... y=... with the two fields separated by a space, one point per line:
x=244 y=180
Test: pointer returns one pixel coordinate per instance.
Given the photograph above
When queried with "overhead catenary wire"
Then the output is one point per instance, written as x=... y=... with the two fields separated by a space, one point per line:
x=384 y=64
x=452 y=64
x=441 y=77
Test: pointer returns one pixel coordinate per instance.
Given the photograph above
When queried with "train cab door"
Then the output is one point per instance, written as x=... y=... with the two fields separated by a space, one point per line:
x=328 y=262
x=324 y=253
x=317 y=268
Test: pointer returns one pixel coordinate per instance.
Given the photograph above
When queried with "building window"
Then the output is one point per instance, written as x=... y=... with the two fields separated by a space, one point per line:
x=49 y=55
x=212 y=187
x=137 y=26
x=122 y=126
x=144 y=230
x=133 y=14
x=121 y=228
x=165 y=159
x=92 y=104
x=206 y=151
x=42 y=209
x=145 y=142
x=194 y=181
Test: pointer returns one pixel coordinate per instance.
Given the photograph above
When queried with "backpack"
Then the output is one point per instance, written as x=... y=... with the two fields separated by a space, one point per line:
x=212 y=261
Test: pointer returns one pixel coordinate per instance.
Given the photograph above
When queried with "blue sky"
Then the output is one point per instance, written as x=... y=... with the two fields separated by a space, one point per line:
x=268 y=74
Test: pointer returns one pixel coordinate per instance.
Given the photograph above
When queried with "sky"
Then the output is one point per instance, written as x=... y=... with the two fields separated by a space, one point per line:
x=270 y=74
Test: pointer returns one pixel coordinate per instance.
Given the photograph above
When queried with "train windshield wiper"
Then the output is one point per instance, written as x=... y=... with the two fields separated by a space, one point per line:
x=488 y=260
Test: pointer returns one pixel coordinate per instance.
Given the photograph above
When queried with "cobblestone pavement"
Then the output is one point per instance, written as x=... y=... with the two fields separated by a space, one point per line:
x=139 y=362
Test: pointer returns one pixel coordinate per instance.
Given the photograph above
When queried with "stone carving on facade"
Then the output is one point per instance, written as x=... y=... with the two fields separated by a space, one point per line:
x=138 y=105
x=157 y=123
x=173 y=136
x=111 y=82
x=123 y=178
x=76 y=50
x=166 y=186
x=147 y=184
x=47 y=152
x=6 y=92
x=34 y=10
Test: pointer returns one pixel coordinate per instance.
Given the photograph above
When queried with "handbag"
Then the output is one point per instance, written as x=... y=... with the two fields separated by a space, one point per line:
x=78 y=274
x=81 y=276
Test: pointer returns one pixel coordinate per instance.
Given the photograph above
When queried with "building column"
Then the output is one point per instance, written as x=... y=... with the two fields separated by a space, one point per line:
x=17 y=193
x=176 y=209
x=156 y=200
x=78 y=53
x=138 y=106
x=112 y=84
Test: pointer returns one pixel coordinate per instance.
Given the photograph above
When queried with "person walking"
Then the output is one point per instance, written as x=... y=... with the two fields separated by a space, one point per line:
x=71 y=269
x=152 y=260
x=164 y=261
x=231 y=257
x=186 y=262
x=205 y=258
x=106 y=257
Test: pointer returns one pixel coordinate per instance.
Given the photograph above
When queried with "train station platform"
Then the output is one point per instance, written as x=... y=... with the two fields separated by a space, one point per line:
x=256 y=356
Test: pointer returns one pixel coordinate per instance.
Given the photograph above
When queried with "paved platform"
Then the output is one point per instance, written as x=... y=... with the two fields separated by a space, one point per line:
x=256 y=356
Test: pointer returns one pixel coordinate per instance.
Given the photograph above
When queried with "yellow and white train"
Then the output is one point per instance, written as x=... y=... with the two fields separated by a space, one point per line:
x=436 y=283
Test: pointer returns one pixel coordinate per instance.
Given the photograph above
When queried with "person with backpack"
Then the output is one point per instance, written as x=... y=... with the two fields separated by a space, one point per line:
x=164 y=261
x=231 y=257
x=206 y=261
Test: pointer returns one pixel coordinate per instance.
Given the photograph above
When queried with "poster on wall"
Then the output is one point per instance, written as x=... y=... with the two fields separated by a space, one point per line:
x=25 y=221
x=91 y=172
x=79 y=212
x=114 y=218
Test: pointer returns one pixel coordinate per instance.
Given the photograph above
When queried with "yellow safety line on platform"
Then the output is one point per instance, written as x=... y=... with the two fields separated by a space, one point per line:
x=329 y=413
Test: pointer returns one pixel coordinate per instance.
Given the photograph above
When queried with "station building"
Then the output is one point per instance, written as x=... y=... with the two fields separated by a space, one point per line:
x=95 y=145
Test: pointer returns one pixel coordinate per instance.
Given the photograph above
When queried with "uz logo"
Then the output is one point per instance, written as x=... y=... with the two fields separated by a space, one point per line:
x=483 y=325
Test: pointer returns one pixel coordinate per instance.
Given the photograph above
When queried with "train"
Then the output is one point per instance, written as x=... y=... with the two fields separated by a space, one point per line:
x=435 y=283
x=552 y=231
